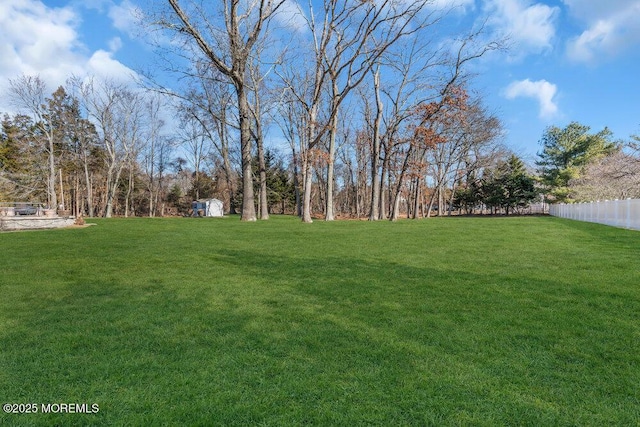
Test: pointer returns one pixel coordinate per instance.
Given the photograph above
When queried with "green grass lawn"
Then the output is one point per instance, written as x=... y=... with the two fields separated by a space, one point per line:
x=454 y=321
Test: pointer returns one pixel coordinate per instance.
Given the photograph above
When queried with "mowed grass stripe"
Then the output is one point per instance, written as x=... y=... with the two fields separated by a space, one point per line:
x=447 y=321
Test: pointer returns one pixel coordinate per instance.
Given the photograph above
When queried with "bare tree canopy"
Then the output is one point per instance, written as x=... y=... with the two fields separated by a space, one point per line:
x=225 y=34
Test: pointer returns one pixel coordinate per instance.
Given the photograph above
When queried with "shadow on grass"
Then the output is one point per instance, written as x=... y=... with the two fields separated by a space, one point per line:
x=278 y=339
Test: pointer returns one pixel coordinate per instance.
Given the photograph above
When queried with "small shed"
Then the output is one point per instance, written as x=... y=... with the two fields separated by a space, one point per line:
x=207 y=207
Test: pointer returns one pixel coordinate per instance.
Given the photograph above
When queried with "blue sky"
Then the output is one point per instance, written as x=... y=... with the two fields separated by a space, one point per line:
x=569 y=60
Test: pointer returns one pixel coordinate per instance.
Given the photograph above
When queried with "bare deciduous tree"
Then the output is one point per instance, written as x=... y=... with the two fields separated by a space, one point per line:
x=29 y=93
x=117 y=113
x=157 y=148
x=227 y=44
x=616 y=176
x=347 y=38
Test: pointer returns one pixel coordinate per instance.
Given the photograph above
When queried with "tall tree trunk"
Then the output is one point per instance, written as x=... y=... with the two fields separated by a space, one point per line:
x=262 y=196
x=152 y=205
x=441 y=198
x=151 y=170
x=62 y=204
x=329 y=214
x=451 y=197
x=396 y=200
x=416 y=199
x=222 y=131
x=127 y=201
x=384 y=190
x=296 y=183
x=76 y=195
x=263 y=203
x=322 y=187
x=248 y=206
x=51 y=183
x=395 y=208
x=87 y=177
x=308 y=180
x=307 y=167
x=111 y=189
x=374 y=213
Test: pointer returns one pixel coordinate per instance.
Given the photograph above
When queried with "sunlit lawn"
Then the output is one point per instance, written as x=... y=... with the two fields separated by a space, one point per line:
x=452 y=321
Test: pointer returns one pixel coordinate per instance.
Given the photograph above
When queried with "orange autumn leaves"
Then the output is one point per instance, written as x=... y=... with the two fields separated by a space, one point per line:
x=435 y=119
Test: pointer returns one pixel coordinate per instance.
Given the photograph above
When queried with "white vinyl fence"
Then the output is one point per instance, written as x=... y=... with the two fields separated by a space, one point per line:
x=618 y=213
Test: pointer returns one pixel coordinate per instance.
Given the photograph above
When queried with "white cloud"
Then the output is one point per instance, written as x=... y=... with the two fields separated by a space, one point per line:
x=115 y=44
x=102 y=64
x=540 y=90
x=593 y=10
x=612 y=27
x=36 y=39
x=126 y=17
x=44 y=41
x=531 y=27
x=291 y=16
x=462 y=5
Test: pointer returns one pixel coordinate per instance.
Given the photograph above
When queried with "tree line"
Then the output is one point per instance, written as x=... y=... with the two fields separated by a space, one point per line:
x=372 y=115
x=98 y=148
